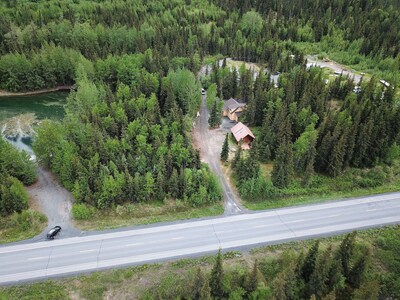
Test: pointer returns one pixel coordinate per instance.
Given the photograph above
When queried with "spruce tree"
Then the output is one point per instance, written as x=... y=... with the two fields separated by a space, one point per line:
x=200 y=288
x=345 y=253
x=310 y=160
x=357 y=271
x=216 y=280
x=309 y=262
x=237 y=157
x=225 y=149
x=283 y=165
x=214 y=119
x=252 y=281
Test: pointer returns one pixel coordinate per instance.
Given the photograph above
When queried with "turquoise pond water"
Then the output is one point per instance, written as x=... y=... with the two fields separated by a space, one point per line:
x=43 y=106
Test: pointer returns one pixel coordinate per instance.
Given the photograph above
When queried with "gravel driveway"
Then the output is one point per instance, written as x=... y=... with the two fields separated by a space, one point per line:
x=210 y=144
x=55 y=202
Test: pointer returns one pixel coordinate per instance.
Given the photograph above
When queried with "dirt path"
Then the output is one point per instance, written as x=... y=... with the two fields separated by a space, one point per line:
x=43 y=91
x=54 y=201
x=210 y=144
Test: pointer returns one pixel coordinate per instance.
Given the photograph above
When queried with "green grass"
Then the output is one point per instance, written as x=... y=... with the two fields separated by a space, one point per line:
x=39 y=291
x=21 y=226
x=140 y=214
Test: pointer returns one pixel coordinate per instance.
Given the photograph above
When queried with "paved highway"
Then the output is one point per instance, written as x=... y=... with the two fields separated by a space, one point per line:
x=107 y=250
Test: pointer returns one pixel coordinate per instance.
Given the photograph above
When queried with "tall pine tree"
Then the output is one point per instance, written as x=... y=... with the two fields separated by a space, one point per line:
x=217 y=275
x=225 y=149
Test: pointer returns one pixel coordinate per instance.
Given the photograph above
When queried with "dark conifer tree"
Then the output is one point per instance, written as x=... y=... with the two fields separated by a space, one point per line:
x=283 y=165
x=345 y=253
x=252 y=280
x=217 y=276
x=215 y=117
x=201 y=288
x=225 y=149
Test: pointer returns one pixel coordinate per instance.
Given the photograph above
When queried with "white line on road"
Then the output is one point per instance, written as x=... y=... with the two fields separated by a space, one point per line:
x=38 y=258
x=295 y=221
x=135 y=244
x=260 y=226
x=89 y=250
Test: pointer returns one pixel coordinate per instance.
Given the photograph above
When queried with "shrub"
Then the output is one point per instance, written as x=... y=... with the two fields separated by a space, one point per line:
x=82 y=211
x=13 y=196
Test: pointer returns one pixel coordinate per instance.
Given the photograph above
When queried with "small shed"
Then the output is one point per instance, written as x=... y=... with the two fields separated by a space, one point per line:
x=242 y=133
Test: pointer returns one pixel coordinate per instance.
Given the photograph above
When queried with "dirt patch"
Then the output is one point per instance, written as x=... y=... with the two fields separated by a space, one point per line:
x=50 y=198
x=4 y=93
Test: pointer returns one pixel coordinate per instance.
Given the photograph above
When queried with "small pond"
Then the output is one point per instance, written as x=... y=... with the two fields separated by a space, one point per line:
x=19 y=114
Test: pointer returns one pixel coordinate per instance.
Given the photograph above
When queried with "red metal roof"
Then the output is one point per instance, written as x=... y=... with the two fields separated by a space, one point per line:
x=240 y=131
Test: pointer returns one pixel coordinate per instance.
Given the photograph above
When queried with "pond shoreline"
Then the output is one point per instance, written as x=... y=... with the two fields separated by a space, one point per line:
x=42 y=91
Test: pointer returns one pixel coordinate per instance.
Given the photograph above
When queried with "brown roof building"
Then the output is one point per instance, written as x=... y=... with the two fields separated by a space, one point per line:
x=233 y=109
x=242 y=133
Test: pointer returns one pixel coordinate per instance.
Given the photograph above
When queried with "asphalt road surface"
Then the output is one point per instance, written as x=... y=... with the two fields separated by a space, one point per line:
x=80 y=254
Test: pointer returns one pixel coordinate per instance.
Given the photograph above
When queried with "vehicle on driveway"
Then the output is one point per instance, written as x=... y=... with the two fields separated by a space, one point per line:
x=203 y=91
x=53 y=232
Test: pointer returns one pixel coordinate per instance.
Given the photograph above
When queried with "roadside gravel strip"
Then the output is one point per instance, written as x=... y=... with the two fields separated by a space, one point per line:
x=95 y=252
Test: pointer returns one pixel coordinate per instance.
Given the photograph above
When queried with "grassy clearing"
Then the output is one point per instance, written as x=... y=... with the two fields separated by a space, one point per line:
x=140 y=214
x=238 y=63
x=21 y=226
x=135 y=282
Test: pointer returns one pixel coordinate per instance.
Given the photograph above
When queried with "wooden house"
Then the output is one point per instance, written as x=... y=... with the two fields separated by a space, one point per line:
x=233 y=109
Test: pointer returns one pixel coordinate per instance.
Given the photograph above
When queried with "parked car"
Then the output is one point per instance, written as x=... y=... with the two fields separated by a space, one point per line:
x=203 y=91
x=53 y=232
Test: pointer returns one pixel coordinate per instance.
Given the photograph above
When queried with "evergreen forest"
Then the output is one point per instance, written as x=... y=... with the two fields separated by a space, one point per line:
x=132 y=66
x=136 y=69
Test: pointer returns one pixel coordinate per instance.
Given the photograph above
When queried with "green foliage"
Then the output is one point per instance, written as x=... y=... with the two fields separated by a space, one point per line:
x=117 y=148
x=186 y=90
x=82 y=211
x=40 y=291
x=225 y=149
x=252 y=23
x=211 y=96
x=217 y=278
x=21 y=226
x=393 y=153
x=43 y=68
x=49 y=137
x=16 y=164
x=215 y=116
x=13 y=197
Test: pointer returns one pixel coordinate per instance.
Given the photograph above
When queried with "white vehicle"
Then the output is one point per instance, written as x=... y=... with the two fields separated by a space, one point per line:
x=203 y=91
